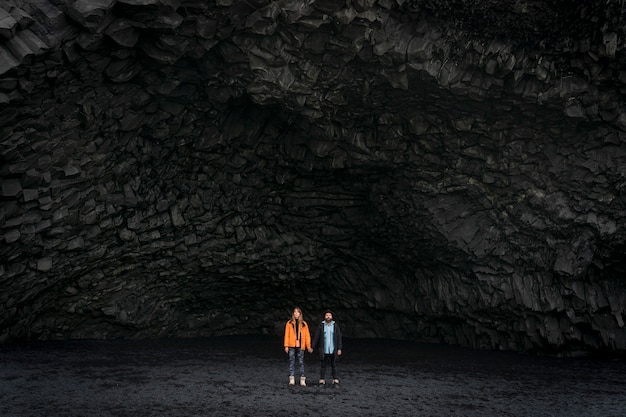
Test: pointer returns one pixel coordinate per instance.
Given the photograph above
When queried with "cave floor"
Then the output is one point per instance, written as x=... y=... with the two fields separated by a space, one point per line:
x=247 y=376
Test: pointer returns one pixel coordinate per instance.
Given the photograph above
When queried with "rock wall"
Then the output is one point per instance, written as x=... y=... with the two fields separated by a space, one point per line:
x=437 y=171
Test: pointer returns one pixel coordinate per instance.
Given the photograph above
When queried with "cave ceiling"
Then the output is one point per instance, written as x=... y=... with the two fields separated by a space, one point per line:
x=447 y=171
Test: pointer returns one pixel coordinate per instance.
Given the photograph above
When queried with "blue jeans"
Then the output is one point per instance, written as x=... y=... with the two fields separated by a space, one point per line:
x=293 y=352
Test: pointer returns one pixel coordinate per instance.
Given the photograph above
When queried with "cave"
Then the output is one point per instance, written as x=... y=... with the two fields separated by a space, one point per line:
x=436 y=171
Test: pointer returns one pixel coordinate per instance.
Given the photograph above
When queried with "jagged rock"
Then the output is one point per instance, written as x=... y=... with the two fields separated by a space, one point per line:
x=8 y=25
x=11 y=187
x=35 y=45
x=91 y=14
x=434 y=171
x=123 y=32
x=173 y=4
x=21 y=49
x=7 y=61
x=122 y=70
x=23 y=19
x=44 y=264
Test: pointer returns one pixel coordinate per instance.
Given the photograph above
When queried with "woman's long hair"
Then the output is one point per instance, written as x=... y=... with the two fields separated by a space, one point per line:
x=293 y=318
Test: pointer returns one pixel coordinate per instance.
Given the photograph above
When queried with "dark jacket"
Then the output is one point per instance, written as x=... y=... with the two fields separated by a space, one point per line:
x=318 y=339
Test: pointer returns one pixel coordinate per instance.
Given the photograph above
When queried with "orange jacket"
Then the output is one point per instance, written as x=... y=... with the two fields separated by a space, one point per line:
x=290 y=335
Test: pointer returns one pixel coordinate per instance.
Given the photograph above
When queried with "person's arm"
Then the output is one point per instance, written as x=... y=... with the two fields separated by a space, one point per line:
x=307 y=339
x=286 y=338
x=316 y=338
x=339 y=339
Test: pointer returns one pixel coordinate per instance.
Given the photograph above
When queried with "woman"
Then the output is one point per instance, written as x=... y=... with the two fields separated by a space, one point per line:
x=297 y=339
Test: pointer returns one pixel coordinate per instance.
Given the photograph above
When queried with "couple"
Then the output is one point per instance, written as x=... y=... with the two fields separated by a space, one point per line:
x=327 y=340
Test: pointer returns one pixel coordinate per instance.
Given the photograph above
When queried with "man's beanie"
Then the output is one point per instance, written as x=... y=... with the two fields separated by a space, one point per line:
x=329 y=311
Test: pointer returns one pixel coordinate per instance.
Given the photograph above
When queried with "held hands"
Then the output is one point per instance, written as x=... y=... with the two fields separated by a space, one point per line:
x=339 y=352
x=310 y=350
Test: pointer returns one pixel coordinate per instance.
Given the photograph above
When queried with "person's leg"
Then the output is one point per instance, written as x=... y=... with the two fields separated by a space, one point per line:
x=323 y=370
x=292 y=366
x=333 y=369
x=292 y=361
x=301 y=362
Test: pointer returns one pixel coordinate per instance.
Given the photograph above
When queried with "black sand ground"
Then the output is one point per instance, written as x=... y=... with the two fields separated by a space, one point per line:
x=247 y=376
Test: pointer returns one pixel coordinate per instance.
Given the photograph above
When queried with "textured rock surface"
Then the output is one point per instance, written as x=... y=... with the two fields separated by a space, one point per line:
x=433 y=170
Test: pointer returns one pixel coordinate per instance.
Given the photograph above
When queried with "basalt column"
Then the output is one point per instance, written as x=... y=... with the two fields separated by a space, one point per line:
x=447 y=171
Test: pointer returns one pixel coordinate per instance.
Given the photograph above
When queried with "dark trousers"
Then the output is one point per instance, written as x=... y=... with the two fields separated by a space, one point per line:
x=328 y=359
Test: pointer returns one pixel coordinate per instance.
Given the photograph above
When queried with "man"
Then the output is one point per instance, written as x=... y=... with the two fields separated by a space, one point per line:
x=329 y=342
x=297 y=339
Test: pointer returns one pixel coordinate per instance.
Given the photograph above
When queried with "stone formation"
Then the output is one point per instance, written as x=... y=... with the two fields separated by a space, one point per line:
x=434 y=170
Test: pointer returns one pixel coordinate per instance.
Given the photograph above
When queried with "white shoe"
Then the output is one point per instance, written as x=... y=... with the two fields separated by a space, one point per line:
x=303 y=381
x=322 y=382
x=335 y=381
x=292 y=380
